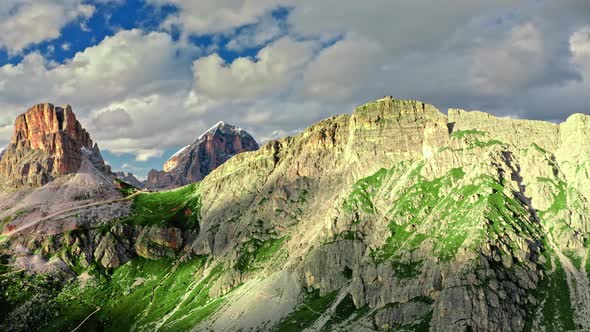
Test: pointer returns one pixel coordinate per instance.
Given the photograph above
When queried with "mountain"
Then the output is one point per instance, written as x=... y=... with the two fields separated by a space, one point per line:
x=47 y=142
x=50 y=170
x=395 y=218
x=193 y=162
x=129 y=178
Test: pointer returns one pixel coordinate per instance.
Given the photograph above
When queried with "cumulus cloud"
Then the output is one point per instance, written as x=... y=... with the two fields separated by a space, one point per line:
x=274 y=67
x=112 y=118
x=119 y=88
x=580 y=47
x=512 y=58
x=214 y=16
x=27 y=22
x=464 y=54
x=116 y=68
x=251 y=36
x=160 y=121
x=401 y=26
x=125 y=64
x=511 y=63
x=331 y=73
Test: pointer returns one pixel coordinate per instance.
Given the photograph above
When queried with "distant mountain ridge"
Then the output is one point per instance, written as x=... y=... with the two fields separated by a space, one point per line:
x=194 y=161
x=129 y=178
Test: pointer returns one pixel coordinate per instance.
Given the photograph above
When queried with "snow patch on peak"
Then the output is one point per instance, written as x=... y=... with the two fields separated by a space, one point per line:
x=212 y=129
x=224 y=127
x=180 y=151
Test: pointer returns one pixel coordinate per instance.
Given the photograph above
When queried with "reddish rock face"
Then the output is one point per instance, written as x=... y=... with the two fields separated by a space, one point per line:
x=209 y=151
x=47 y=142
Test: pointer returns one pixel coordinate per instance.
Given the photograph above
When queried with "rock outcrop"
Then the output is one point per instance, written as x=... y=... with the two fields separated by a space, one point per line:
x=394 y=218
x=129 y=178
x=520 y=132
x=193 y=162
x=48 y=142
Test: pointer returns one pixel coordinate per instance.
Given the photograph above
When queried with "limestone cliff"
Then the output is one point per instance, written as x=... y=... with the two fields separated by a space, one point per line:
x=48 y=141
x=394 y=218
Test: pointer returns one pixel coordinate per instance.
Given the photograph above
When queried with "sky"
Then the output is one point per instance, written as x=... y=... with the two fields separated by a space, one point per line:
x=147 y=77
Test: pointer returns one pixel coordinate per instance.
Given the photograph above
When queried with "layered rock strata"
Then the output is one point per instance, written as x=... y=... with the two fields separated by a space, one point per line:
x=193 y=162
x=48 y=142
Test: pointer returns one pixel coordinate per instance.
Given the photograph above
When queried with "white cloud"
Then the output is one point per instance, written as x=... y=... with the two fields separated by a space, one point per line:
x=399 y=27
x=127 y=64
x=159 y=121
x=215 y=16
x=580 y=47
x=27 y=22
x=274 y=67
x=511 y=63
x=112 y=118
x=327 y=56
x=556 y=102
x=266 y=30
x=350 y=60
x=119 y=89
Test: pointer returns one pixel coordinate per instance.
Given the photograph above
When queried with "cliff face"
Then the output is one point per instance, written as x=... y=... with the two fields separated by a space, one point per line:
x=195 y=161
x=396 y=217
x=48 y=141
x=42 y=125
x=465 y=222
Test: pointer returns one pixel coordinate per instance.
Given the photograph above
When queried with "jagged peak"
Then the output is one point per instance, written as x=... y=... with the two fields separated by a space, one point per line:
x=223 y=127
x=212 y=148
x=49 y=106
x=45 y=118
x=220 y=126
x=58 y=137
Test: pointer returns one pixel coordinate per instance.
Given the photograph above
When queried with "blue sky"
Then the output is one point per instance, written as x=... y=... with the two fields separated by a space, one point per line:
x=146 y=77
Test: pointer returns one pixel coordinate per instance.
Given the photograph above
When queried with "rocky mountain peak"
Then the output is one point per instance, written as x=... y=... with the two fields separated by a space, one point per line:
x=48 y=141
x=45 y=119
x=194 y=161
x=396 y=217
x=221 y=128
x=129 y=178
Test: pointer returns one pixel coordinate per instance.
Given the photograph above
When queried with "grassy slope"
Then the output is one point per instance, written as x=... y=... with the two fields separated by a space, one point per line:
x=456 y=203
x=178 y=208
x=140 y=294
x=444 y=214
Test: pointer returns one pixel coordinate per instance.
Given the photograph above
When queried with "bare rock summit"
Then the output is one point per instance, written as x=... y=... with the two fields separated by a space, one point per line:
x=48 y=142
x=193 y=162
